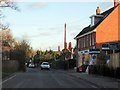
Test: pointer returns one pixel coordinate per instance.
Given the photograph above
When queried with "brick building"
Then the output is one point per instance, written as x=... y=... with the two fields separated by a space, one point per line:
x=103 y=29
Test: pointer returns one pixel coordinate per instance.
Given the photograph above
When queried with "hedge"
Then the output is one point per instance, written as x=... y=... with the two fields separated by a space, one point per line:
x=104 y=71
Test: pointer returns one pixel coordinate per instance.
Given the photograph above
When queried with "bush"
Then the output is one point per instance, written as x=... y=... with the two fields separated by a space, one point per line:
x=112 y=72
x=90 y=69
x=117 y=73
x=104 y=71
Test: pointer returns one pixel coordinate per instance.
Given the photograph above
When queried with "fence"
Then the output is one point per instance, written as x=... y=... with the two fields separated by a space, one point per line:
x=115 y=60
x=111 y=70
x=10 y=66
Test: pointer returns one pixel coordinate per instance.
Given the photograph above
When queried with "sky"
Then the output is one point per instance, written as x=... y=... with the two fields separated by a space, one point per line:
x=42 y=23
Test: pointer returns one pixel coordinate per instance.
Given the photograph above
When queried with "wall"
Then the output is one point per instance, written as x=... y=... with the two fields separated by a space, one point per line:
x=108 y=31
x=115 y=60
x=119 y=22
x=10 y=65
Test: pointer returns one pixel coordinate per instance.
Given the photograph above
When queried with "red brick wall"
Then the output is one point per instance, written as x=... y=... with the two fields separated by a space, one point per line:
x=108 y=30
x=119 y=22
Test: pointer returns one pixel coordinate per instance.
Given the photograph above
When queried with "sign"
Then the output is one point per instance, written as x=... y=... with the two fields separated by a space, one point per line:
x=105 y=48
x=94 y=51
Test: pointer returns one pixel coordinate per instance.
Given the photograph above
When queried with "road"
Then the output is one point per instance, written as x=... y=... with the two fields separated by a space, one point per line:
x=36 y=78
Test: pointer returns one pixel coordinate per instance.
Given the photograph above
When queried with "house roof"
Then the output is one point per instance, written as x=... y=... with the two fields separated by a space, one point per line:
x=91 y=28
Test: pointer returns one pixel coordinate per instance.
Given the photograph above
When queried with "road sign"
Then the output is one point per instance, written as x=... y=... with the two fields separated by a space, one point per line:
x=94 y=51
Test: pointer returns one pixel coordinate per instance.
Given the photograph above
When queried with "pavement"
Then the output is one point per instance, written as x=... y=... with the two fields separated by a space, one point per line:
x=97 y=80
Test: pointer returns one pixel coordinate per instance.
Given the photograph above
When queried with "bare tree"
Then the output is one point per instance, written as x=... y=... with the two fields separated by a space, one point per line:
x=8 y=3
x=21 y=52
x=7 y=42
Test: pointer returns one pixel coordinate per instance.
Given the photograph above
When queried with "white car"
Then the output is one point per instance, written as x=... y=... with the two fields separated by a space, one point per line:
x=31 y=65
x=45 y=65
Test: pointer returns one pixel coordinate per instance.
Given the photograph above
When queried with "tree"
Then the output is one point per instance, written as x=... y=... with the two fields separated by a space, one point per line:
x=30 y=52
x=48 y=55
x=7 y=43
x=8 y=3
x=20 y=53
x=37 y=58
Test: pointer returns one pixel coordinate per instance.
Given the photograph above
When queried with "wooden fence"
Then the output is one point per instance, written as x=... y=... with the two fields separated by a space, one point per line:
x=115 y=60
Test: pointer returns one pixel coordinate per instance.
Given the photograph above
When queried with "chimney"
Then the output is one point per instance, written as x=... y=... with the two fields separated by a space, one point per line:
x=70 y=46
x=58 y=48
x=96 y=18
x=65 y=46
x=116 y=2
x=98 y=11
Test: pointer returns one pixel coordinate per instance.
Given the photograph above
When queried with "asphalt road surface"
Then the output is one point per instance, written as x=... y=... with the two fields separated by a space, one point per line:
x=36 y=78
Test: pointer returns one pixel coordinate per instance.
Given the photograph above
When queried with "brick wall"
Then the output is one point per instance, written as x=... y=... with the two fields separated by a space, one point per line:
x=109 y=30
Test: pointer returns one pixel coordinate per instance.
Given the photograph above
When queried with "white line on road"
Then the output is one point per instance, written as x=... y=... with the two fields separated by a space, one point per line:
x=8 y=79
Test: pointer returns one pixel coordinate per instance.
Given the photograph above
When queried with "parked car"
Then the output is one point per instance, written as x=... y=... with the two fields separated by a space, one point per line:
x=83 y=68
x=31 y=65
x=45 y=65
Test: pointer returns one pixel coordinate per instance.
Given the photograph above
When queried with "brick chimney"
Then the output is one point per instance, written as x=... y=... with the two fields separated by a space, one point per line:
x=58 y=48
x=70 y=46
x=116 y=2
x=98 y=11
x=65 y=43
x=65 y=46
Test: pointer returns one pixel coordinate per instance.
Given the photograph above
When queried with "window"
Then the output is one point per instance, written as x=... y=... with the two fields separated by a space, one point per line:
x=79 y=43
x=90 y=39
x=84 y=41
x=87 y=40
x=93 y=39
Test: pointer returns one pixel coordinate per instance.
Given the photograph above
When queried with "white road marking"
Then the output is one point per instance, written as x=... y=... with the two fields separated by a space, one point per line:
x=8 y=79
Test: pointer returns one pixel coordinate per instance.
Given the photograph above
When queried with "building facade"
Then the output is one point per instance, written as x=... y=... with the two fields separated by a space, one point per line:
x=104 y=28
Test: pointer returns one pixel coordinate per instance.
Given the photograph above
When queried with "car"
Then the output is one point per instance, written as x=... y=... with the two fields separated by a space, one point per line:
x=31 y=65
x=83 y=68
x=45 y=65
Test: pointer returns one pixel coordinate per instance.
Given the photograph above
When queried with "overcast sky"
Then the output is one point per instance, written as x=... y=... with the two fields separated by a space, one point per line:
x=42 y=23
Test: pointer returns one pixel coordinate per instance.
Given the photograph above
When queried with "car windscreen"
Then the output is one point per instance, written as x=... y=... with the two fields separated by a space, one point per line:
x=45 y=63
